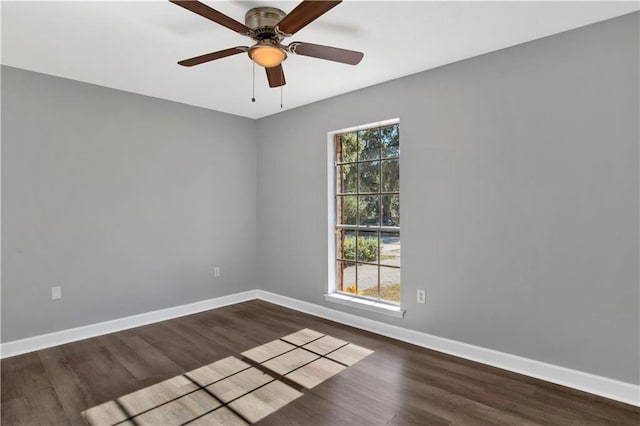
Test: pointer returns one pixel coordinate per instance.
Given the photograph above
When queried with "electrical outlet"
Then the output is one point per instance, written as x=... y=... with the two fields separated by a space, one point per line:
x=216 y=271
x=56 y=293
x=422 y=297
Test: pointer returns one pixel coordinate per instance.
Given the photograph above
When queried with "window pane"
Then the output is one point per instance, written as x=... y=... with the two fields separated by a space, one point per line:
x=391 y=176
x=369 y=210
x=390 y=141
x=369 y=141
x=368 y=280
x=346 y=209
x=367 y=246
x=346 y=178
x=367 y=196
x=348 y=149
x=346 y=276
x=391 y=210
x=346 y=244
x=390 y=284
x=369 y=175
x=390 y=248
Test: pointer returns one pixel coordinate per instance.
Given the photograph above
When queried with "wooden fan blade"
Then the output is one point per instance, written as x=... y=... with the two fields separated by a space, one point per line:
x=335 y=54
x=213 y=56
x=212 y=14
x=305 y=13
x=275 y=76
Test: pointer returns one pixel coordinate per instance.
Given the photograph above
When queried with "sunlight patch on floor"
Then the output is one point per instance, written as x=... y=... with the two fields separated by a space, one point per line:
x=233 y=391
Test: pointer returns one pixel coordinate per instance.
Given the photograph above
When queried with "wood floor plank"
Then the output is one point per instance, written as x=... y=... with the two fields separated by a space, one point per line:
x=128 y=357
x=155 y=346
x=396 y=384
x=186 y=338
x=32 y=399
x=103 y=375
x=72 y=393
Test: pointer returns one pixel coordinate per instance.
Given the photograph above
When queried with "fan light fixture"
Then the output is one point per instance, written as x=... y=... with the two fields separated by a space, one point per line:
x=267 y=54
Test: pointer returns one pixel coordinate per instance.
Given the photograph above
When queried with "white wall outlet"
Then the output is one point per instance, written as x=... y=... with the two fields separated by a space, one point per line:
x=216 y=271
x=56 y=293
x=422 y=296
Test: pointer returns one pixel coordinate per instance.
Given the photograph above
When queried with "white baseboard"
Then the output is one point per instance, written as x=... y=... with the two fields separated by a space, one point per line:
x=43 y=341
x=598 y=385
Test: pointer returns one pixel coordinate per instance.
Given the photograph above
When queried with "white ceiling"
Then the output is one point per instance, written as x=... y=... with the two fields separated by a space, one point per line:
x=134 y=45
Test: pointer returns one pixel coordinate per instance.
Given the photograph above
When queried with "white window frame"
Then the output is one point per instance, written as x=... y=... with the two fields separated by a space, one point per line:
x=332 y=294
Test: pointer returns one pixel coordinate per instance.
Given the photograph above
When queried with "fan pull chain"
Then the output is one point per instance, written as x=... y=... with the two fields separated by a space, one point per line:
x=253 y=97
x=281 y=88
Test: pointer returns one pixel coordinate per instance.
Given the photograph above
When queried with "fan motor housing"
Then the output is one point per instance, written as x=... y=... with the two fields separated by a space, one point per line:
x=262 y=20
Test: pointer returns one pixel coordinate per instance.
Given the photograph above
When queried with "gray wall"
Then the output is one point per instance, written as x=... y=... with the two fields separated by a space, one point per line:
x=519 y=189
x=125 y=201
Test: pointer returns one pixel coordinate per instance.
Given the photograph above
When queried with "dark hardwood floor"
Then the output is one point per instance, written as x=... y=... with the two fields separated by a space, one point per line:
x=398 y=384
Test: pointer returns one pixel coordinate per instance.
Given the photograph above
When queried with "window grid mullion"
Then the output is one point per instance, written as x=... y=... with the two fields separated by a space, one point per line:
x=367 y=263
x=357 y=253
x=369 y=193
x=347 y=163
x=379 y=204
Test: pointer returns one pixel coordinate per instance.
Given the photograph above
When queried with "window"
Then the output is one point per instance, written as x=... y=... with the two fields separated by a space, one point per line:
x=367 y=213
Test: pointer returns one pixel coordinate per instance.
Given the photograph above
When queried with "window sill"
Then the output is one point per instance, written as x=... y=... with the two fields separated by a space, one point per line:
x=367 y=305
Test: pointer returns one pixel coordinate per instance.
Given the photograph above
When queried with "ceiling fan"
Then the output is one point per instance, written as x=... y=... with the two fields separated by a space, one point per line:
x=269 y=26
